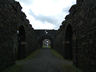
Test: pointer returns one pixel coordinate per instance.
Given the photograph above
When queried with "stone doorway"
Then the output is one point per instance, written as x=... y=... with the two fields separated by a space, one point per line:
x=46 y=43
x=68 y=43
x=21 y=43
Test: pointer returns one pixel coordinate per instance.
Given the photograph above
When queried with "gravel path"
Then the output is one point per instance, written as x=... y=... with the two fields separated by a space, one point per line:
x=45 y=61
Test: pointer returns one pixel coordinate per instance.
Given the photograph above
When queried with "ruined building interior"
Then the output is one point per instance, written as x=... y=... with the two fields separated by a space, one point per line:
x=74 y=40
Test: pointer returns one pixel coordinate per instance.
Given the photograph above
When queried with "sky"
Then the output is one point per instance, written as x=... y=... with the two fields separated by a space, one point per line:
x=46 y=14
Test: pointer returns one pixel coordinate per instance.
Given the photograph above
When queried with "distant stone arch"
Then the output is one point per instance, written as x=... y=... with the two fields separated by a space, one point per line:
x=42 y=38
x=68 y=42
x=46 y=43
x=21 y=42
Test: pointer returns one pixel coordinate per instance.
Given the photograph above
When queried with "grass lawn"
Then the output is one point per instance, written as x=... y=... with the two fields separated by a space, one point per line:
x=19 y=63
x=66 y=67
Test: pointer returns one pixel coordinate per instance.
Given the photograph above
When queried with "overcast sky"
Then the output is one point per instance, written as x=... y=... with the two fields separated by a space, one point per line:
x=46 y=14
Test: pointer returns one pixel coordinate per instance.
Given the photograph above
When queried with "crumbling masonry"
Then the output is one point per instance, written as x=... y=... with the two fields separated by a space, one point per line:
x=77 y=35
x=75 y=40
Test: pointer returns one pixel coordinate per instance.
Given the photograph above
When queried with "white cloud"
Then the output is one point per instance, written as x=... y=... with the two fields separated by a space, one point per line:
x=56 y=9
x=40 y=25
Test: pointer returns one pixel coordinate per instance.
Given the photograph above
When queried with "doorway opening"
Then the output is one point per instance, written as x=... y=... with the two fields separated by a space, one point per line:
x=46 y=43
x=68 y=43
x=21 y=43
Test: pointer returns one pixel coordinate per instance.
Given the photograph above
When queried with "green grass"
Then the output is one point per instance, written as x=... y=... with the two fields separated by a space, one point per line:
x=66 y=67
x=19 y=64
x=32 y=55
x=45 y=46
x=56 y=54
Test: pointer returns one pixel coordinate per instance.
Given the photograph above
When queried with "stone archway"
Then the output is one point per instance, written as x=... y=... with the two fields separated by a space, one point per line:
x=21 y=43
x=42 y=38
x=68 y=42
x=46 y=43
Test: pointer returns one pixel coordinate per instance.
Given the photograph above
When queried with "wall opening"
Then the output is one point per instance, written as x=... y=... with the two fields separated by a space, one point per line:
x=68 y=43
x=21 y=43
x=46 y=43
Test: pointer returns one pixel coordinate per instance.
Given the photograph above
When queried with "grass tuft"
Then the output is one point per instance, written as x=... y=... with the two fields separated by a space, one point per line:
x=19 y=64
x=46 y=47
x=66 y=67
x=32 y=55
x=56 y=54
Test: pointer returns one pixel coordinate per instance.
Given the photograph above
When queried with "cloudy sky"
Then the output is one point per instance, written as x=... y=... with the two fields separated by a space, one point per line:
x=46 y=14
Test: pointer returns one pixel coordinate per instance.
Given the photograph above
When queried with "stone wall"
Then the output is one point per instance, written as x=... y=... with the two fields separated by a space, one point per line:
x=11 y=19
x=41 y=35
x=82 y=19
x=75 y=40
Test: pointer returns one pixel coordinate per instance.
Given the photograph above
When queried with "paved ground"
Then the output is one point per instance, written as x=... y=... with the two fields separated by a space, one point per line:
x=45 y=61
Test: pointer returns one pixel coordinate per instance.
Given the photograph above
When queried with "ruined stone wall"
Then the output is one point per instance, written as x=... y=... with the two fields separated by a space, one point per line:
x=82 y=18
x=41 y=35
x=11 y=18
